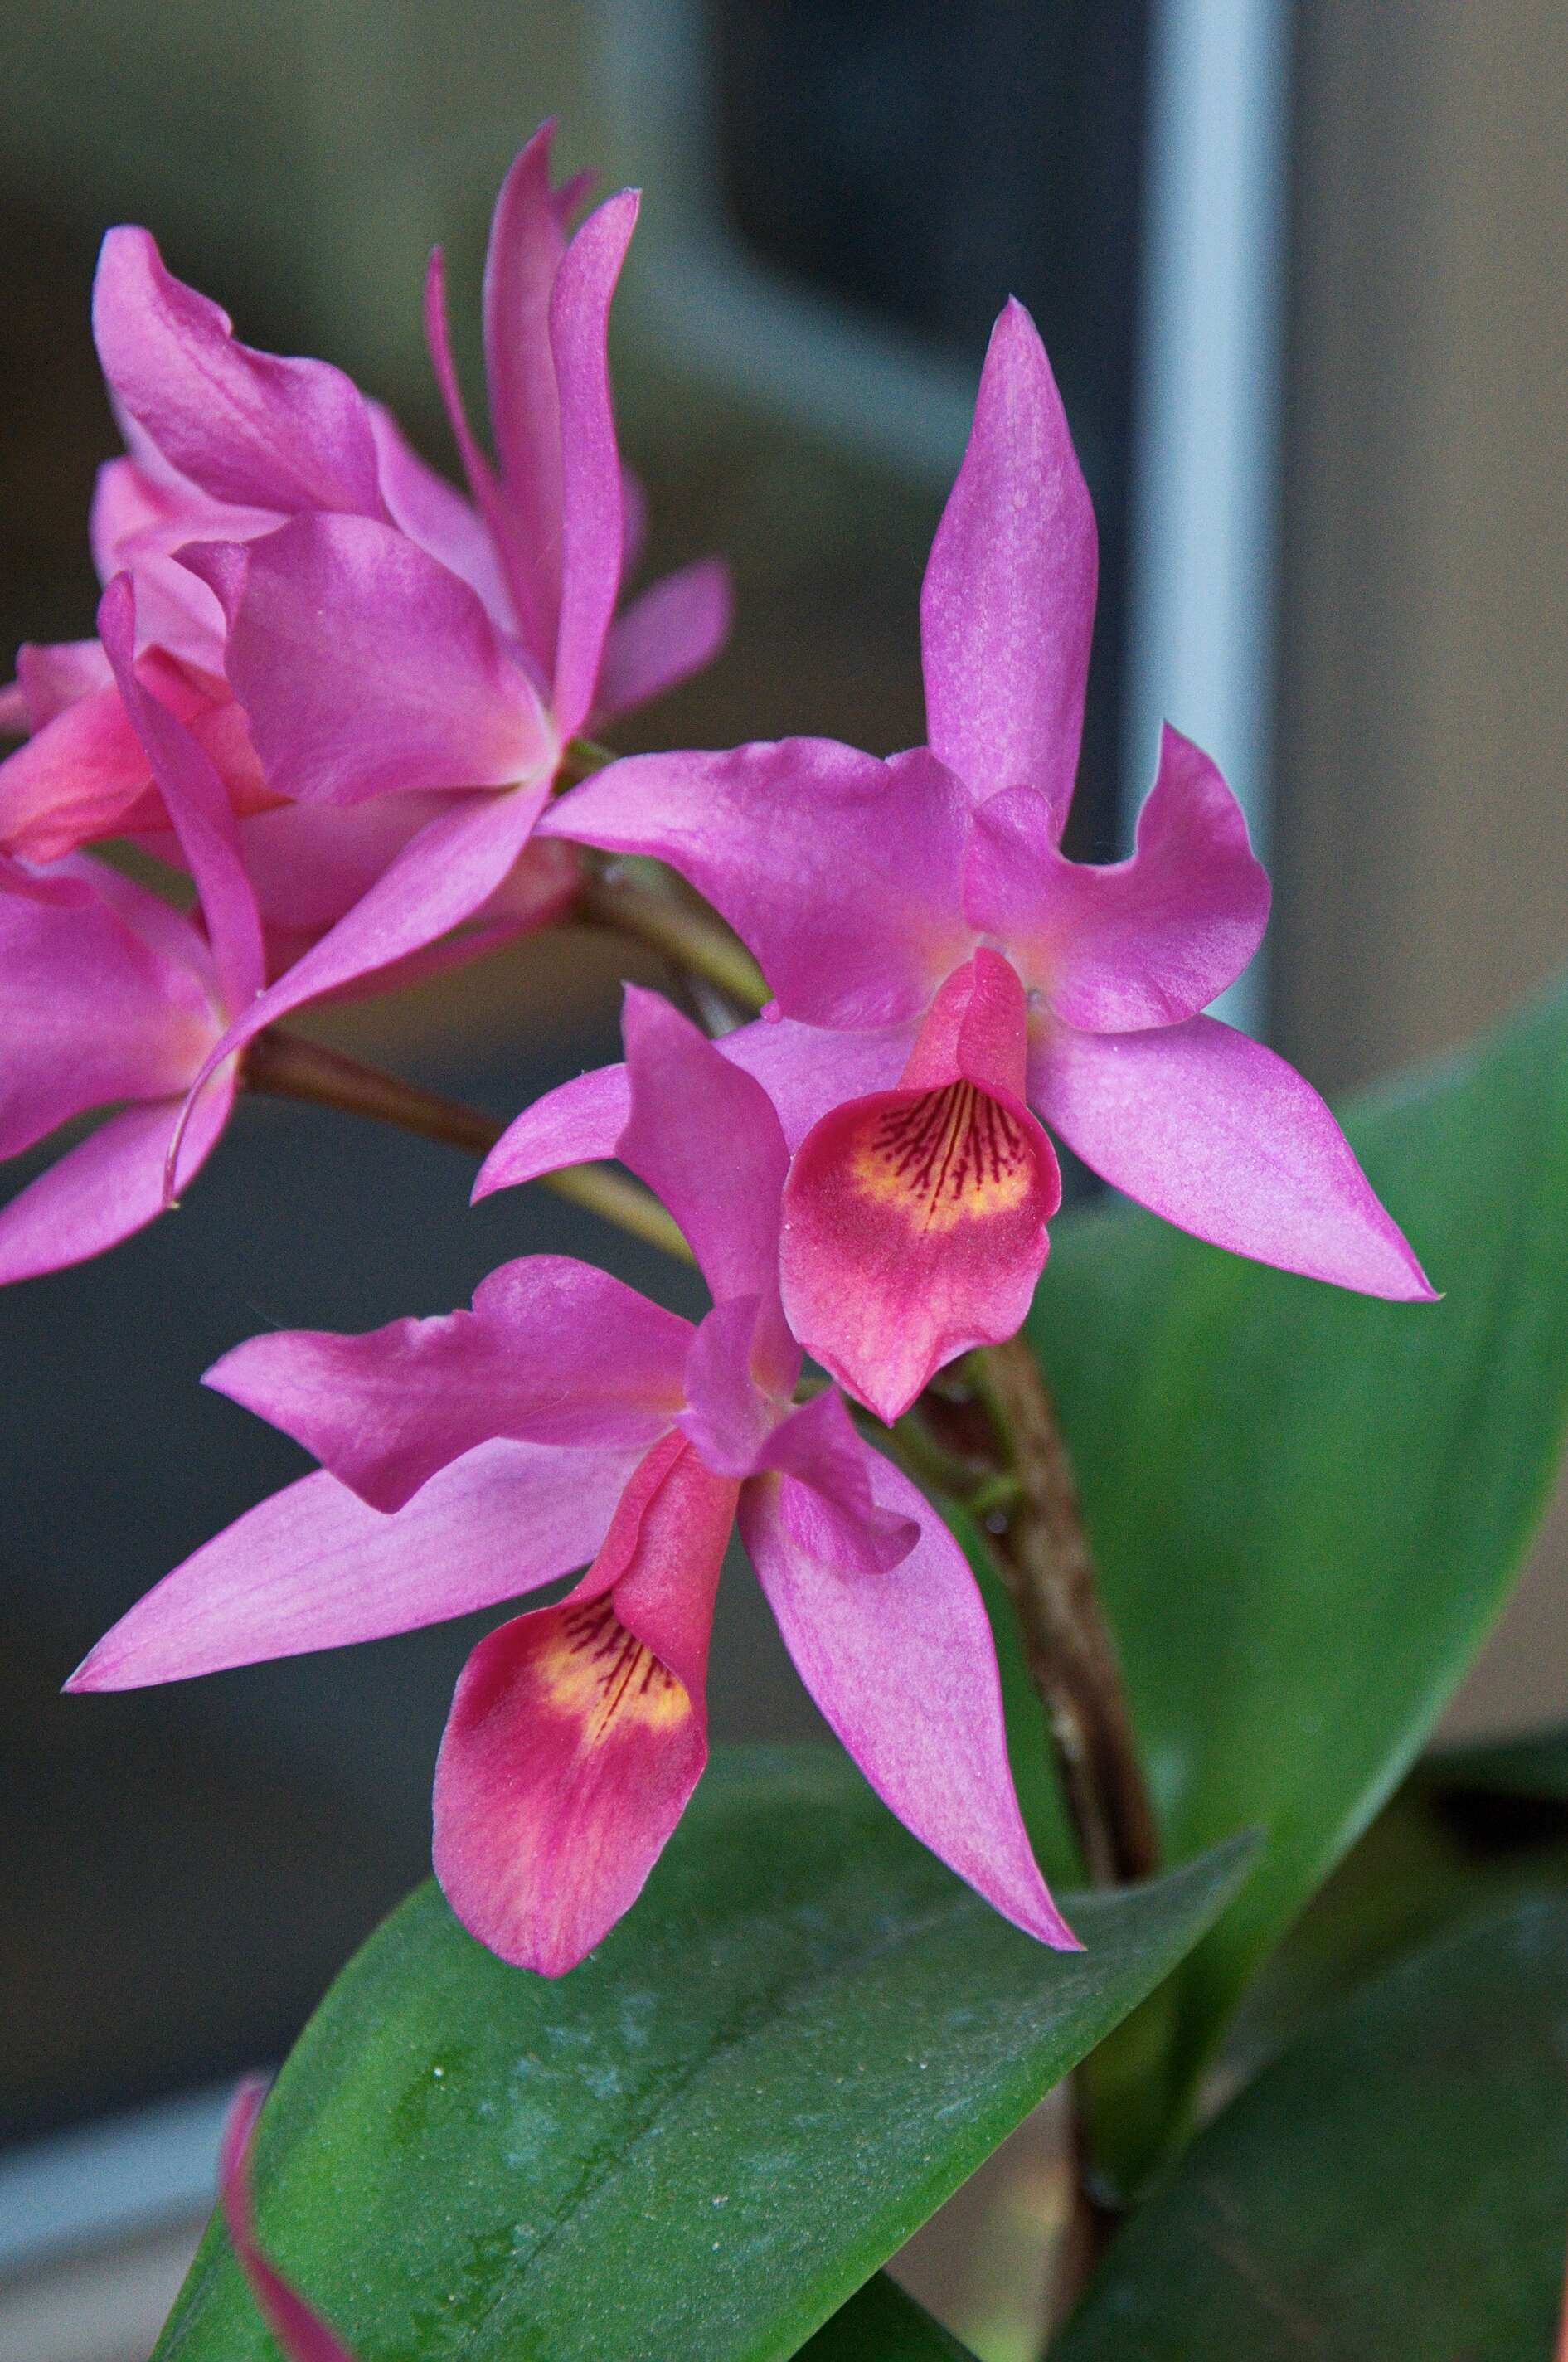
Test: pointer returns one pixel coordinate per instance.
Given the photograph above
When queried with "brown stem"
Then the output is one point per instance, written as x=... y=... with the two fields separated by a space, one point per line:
x=1042 y=1555
x=693 y=938
x=288 y=1066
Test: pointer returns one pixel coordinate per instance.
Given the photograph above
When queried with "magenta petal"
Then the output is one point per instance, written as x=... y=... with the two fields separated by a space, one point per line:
x=705 y=1139
x=441 y=877
x=433 y=512
x=592 y=515
x=78 y=777
x=554 y=1352
x=51 y=674
x=244 y=425
x=312 y=1567
x=365 y=668
x=301 y=2334
x=1223 y=1139
x=841 y=872
x=578 y=1123
x=197 y=803
x=578 y=1733
x=828 y=1506
x=90 y=1011
x=672 y=630
x=728 y=1417
x=527 y=243
x=1007 y=610
x=903 y=1668
x=1150 y=940
x=108 y=1186
x=805 y=1071
x=915 y=1220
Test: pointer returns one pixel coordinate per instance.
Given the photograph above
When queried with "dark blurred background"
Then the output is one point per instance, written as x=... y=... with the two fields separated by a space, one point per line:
x=1300 y=274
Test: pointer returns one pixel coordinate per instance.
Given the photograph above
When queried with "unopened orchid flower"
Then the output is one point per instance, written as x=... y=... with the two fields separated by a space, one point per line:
x=111 y=998
x=566 y=1420
x=391 y=645
x=300 y=2332
x=949 y=980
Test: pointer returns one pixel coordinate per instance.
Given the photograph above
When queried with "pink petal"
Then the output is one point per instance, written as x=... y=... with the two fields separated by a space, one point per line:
x=902 y=1668
x=501 y=525
x=139 y=520
x=671 y=631
x=246 y=426
x=312 y=1567
x=728 y=1415
x=1007 y=610
x=365 y=668
x=828 y=1505
x=527 y=243
x=915 y=1220
x=1223 y=1139
x=593 y=524
x=14 y=720
x=197 y=803
x=433 y=512
x=554 y=1352
x=804 y=1070
x=807 y=1071
x=578 y=1123
x=686 y=1099
x=78 y=777
x=839 y=871
x=301 y=2335
x=439 y=879
x=578 y=1733
x=1145 y=941
x=309 y=864
x=51 y=674
x=108 y=1186
x=90 y=1012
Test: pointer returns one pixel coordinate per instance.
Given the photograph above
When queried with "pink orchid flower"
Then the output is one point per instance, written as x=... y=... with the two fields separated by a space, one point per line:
x=953 y=976
x=565 y=1419
x=110 y=996
x=392 y=642
x=300 y=2332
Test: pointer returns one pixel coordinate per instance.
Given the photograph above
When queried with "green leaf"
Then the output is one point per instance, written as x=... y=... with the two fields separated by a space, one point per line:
x=1397 y=2185
x=1472 y=1831
x=801 y=2040
x=1308 y=1505
x=882 y=2325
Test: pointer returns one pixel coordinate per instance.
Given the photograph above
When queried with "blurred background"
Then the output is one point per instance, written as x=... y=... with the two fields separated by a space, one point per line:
x=1299 y=269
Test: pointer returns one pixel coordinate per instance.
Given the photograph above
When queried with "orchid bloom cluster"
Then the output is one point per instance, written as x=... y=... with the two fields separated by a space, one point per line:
x=337 y=696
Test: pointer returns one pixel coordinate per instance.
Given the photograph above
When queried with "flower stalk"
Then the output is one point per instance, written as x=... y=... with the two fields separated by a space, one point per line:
x=285 y=1065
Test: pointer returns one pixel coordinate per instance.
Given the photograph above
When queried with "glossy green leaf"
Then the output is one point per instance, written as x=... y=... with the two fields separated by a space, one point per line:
x=801 y=2039
x=1473 y=1831
x=880 y=2324
x=1395 y=2186
x=1308 y=1505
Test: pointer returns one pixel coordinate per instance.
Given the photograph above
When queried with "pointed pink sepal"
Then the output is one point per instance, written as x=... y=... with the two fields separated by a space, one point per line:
x=915 y=1220
x=902 y=1667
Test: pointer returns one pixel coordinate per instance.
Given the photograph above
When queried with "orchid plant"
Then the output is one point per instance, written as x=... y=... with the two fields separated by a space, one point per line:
x=662 y=2069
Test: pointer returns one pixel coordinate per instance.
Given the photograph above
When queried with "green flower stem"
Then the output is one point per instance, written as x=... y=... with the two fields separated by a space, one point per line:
x=657 y=911
x=285 y=1065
